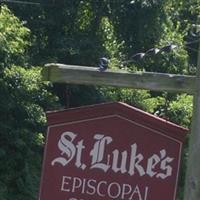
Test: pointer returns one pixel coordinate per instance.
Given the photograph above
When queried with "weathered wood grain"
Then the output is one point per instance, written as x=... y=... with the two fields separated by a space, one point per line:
x=55 y=72
x=192 y=182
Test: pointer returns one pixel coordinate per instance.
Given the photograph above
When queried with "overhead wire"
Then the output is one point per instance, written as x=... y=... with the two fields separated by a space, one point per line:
x=20 y=2
x=192 y=49
x=167 y=48
x=193 y=42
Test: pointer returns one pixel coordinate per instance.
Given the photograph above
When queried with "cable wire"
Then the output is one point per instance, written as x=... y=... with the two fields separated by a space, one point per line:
x=195 y=50
x=20 y=2
x=193 y=42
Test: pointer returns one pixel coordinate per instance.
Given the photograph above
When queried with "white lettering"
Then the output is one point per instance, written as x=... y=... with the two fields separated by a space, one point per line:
x=91 y=187
x=110 y=188
x=151 y=164
x=107 y=190
x=146 y=193
x=66 y=147
x=135 y=161
x=65 y=183
x=76 y=184
x=97 y=152
x=122 y=167
x=126 y=191
x=98 y=188
x=164 y=165
x=83 y=187
x=80 y=148
x=129 y=161
x=136 y=192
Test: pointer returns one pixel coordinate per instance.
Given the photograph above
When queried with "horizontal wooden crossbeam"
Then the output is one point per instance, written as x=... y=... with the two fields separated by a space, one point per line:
x=61 y=73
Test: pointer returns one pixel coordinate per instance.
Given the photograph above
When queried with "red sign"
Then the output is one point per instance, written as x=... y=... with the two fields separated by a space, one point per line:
x=110 y=151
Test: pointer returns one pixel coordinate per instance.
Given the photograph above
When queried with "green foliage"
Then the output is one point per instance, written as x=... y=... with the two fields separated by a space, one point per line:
x=23 y=100
x=180 y=110
x=131 y=96
x=13 y=38
x=80 y=32
x=84 y=16
x=112 y=47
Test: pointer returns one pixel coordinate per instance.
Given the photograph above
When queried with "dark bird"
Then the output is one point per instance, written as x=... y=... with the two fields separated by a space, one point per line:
x=138 y=56
x=103 y=64
x=194 y=32
x=153 y=51
x=168 y=48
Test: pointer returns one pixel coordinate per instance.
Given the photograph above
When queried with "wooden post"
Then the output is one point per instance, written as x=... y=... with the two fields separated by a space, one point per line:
x=192 y=183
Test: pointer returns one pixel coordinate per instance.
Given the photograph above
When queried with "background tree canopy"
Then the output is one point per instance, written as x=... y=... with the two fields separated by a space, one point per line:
x=80 y=32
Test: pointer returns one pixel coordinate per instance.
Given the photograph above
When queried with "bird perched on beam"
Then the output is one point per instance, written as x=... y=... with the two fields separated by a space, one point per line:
x=103 y=64
x=168 y=48
x=138 y=56
x=152 y=51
